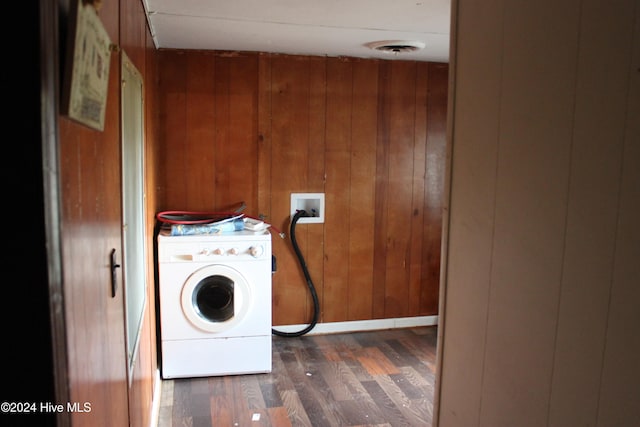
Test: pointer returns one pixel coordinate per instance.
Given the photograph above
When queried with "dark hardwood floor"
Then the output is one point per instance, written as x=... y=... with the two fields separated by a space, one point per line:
x=372 y=378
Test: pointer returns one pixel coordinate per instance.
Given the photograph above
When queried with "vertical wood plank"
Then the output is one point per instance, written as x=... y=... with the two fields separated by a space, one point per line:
x=592 y=216
x=264 y=137
x=222 y=142
x=313 y=250
x=622 y=341
x=240 y=148
x=290 y=135
x=531 y=207
x=434 y=187
x=620 y=372
x=173 y=80
x=401 y=116
x=338 y=191
x=418 y=185
x=382 y=176
x=362 y=189
x=199 y=149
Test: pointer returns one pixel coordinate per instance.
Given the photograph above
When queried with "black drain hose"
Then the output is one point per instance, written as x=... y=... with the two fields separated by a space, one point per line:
x=312 y=288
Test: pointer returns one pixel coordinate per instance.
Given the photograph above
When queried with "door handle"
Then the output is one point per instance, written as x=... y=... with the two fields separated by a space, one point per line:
x=114 y=274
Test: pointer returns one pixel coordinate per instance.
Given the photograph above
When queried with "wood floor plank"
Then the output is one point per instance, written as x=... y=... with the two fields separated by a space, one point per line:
x=404 y=355
x=337 y=376
x=270 y=394
x=314 y=395
x=390 y=411
x=408 y=389
x=296 y=412
x=192 y=403
x=375 y=362
x=358 y=370
x=360 y=412
x=241 y=412
x=425 y=347
x=250 y=387
x=221 y=411
x=279 y=417
x=185 y=422
x=414 y=411
x=257 y=418
x=372 y=378
x=418 y=379
x=328 y=347
x=279 y=372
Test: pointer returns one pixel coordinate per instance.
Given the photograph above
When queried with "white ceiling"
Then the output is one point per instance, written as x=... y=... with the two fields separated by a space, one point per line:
x=303 y=27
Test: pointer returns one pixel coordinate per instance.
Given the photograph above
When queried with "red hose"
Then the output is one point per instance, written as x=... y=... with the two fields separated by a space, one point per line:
x=195 y=217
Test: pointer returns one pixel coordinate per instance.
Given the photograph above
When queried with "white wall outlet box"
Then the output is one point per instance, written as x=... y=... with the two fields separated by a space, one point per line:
x=312 y=203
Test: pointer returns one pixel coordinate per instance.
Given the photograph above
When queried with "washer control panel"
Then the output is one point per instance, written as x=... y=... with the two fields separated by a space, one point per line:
x=237 y=246
x=214 y=252
x=254 y=251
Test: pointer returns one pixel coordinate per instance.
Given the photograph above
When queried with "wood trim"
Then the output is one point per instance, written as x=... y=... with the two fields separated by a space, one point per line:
x=49 y=78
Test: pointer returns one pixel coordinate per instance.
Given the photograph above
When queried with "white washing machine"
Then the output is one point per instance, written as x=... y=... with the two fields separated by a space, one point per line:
x=215 y=303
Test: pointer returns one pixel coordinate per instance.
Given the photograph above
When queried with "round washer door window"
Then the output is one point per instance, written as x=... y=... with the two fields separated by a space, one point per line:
x=216 y=298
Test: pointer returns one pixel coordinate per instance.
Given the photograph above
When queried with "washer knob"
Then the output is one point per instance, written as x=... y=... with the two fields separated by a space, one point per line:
x=256 y=251
x=233 y=251
x=217 y=251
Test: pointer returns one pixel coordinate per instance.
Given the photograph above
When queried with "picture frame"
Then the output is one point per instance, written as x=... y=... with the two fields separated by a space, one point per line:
x=86 y=79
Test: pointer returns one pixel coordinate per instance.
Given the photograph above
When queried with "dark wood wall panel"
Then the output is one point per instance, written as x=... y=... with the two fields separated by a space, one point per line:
x=367 y=133
x=400 y=118
x=290 y=130
x=173 y=133
x=236 y=104
x=264 y=137
x=418 y=185
x=201 y=125
x=362 y=189
x=340 y=106
x=209 y=108
x=434 y=185
x=381 y=192
x=316 y=175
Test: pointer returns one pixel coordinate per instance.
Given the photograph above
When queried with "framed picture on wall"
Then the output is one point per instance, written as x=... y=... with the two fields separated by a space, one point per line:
x=86 y=79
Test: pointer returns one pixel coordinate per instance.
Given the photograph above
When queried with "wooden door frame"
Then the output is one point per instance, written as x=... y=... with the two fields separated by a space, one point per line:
x=49 y=84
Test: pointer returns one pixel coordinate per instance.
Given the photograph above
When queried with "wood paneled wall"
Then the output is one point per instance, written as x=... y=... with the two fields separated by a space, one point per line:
x=541 y=320
x=369 y=134
x=91 y=226
x=90 y=223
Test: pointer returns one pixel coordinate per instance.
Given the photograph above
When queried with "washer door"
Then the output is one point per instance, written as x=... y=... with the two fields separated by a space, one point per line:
x=216 y=298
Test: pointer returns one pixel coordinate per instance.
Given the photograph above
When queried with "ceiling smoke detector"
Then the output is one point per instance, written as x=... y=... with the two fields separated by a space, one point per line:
x=396 y=46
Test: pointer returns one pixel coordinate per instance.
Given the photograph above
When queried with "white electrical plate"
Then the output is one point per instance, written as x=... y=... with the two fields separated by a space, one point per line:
x=313 y=203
